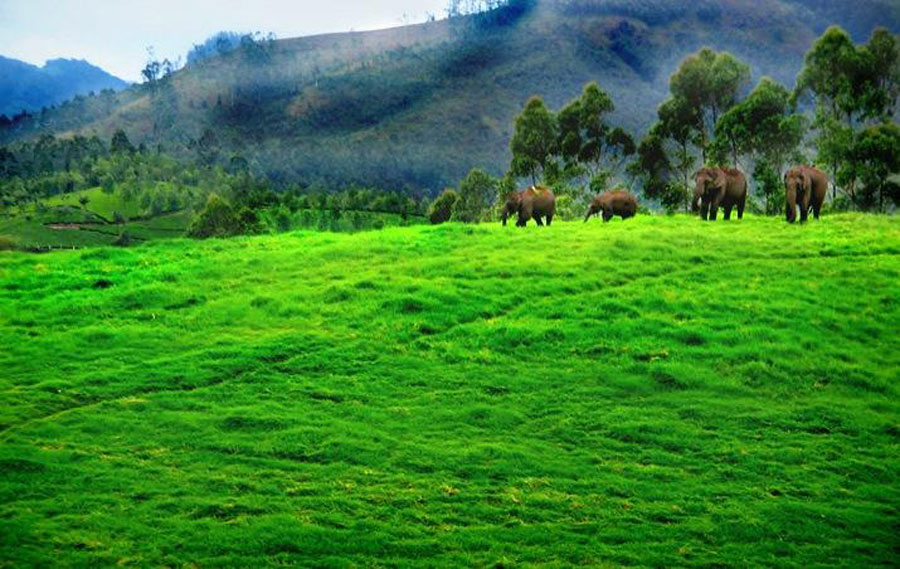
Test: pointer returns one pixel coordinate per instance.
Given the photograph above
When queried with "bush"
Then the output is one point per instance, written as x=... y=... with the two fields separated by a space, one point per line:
x=476 y=194
x=283 y=219
x=7 y=243
x=249 y=222
x=217 y=219
x=442 y=208
x=124 y=240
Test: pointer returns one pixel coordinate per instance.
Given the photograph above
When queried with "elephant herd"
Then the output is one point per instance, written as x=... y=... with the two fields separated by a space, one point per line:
x=805 y=186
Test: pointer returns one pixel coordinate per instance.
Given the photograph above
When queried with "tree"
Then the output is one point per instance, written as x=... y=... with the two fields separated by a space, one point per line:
x=217 y=219
x=476 y=194
x=587 y=143
x=654 y=169
x=852 y=87
x=708 y=83
x=764 y=129
x=120 y=143
x=533 y=144
x=676 y=130
x=873 y=159
x=442 y=208
x=208 y=148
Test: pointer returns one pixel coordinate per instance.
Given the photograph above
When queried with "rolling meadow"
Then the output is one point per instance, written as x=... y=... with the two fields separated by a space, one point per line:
x=657 y=392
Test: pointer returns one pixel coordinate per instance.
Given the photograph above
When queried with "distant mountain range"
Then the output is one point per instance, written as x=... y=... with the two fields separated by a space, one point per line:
x=416 y=107
x=24 y=86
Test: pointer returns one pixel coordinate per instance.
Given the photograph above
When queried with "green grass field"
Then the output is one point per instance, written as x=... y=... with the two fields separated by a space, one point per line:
x=101 y=203
x=658 y=392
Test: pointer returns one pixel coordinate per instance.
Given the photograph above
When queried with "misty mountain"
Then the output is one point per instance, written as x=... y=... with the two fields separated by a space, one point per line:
x=417 y=106
x=24 y=86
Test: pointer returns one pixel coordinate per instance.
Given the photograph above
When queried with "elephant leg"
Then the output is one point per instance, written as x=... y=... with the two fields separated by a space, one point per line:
x=804 y=212
x=607 y=215
x=704 y=210
x=713 y=211
x=549 y=219
x=817 y=207
x=537 y=219
x=740 y=207
x=728 y=212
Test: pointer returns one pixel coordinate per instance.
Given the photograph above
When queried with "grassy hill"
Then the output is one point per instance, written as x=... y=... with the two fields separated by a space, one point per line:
x=417 y=106
x=656 y=392
x=62 y=222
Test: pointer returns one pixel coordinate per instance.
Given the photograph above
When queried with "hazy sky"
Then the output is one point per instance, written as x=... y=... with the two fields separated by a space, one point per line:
x=115 y=34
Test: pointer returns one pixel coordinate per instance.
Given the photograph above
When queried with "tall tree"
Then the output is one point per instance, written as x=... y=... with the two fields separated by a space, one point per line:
x=709 y=83
x=588 y=143
x=853 y=87
x=534 y=143
x=476 y=194
x=874 y=160
x=120 y=143
x=676 y=128
x=653 y=168
x=764 y=129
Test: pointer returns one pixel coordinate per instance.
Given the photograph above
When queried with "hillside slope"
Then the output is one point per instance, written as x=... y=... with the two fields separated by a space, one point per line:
x=712 y=395
x=27 y=87
x=418 y=106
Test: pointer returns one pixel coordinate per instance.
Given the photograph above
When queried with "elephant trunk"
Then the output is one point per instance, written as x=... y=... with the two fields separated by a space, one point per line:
x=695 y=203
x=588 y=215
x=790 y=201
x=504 y=216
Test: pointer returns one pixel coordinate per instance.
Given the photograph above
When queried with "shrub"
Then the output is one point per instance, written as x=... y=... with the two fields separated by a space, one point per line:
x=476 y=194
x=7 y=243
x=124 y=240
x=217 y=219
x=283 y=219
x=442 y=208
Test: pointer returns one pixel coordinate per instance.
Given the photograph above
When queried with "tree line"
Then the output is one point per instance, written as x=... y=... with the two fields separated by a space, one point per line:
x=152 y=183
x=839 y=115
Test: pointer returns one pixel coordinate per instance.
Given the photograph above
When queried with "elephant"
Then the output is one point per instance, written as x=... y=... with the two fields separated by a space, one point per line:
x=531 y=203
x=617 y=202
x=805 y=186
x=719 y=187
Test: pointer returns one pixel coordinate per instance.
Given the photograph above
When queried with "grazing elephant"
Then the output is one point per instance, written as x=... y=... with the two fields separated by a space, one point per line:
x=616 y=202
x=719 y=187
x=532 y=203
x=805 y=186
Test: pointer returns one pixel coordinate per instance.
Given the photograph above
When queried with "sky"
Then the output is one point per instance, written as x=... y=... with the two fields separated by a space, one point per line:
x=115 y=34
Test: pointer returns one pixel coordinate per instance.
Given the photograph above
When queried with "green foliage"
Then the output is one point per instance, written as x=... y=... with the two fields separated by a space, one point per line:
x=872 y=158
x=477 y=192
x=655 y=393
x=769 y=186
x=120 y=143
x=217 y=219
x=854 y=87
x=588 y=143
x=764 y=129
x=707 y=84
x=654 y=169
x=533 y=144
x=442 y=208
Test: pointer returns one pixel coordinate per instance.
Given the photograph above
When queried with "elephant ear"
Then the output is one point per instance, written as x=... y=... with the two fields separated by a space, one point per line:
x=807 y=182
x=721 y=178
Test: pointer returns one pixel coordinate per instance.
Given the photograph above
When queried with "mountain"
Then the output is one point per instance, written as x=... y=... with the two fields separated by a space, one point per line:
x=27 y=87
x=415 y=107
